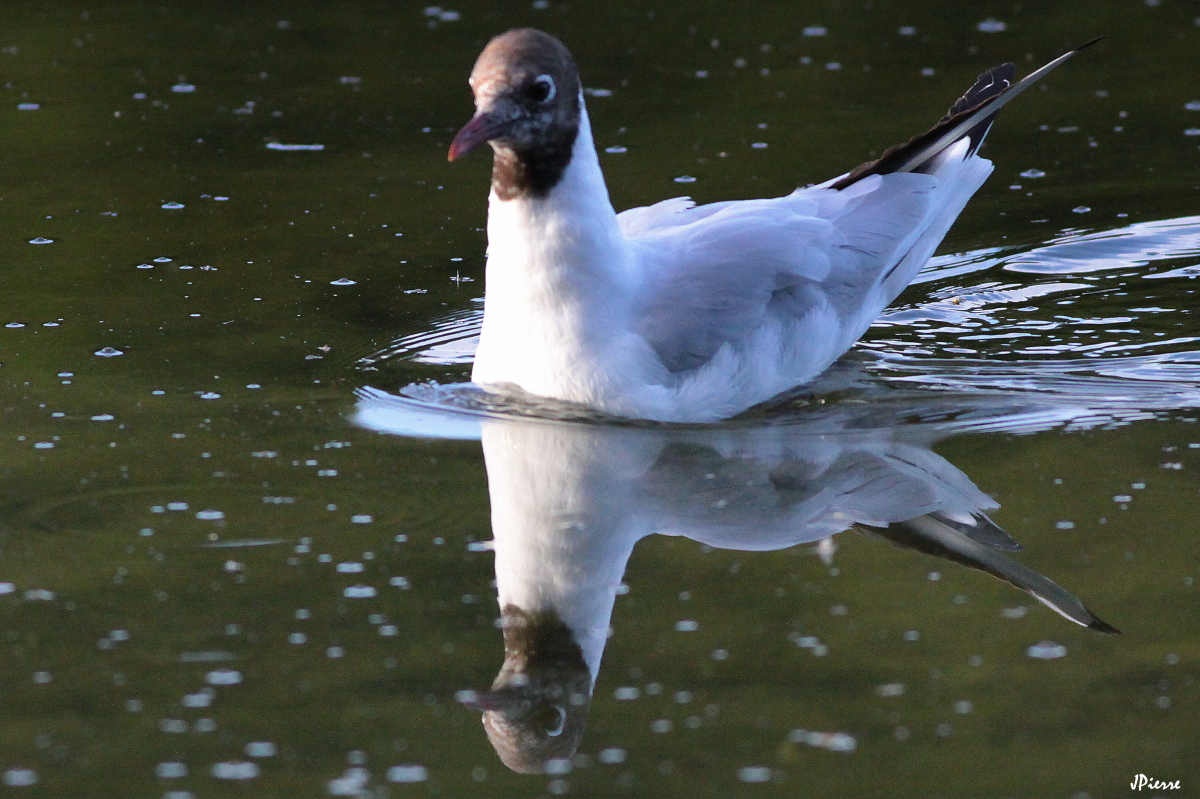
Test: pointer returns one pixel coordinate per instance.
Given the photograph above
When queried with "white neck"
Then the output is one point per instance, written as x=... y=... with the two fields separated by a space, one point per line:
x=559 y=281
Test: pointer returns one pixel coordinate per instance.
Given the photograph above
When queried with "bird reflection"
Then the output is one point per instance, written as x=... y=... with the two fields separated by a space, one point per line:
x=569 y=501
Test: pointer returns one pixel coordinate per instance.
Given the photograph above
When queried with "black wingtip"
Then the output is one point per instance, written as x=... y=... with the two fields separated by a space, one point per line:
x=1086 y=45
x=1101 y=626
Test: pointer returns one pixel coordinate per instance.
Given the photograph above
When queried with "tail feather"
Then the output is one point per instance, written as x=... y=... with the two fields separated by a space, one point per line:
x=970 y=117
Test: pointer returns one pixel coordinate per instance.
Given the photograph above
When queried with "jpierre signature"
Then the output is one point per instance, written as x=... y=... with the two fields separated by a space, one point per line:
x=1142 y=781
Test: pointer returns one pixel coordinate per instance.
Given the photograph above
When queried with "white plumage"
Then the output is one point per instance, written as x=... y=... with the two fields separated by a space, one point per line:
x=685 y=313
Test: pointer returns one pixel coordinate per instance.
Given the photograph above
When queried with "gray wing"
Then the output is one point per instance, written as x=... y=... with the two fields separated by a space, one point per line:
x=714 y=274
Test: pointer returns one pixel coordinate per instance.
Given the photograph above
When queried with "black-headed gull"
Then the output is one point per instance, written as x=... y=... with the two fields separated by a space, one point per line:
x=685 y=313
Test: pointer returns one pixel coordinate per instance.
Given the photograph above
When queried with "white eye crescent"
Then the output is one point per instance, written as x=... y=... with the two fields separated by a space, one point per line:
x=544 y=84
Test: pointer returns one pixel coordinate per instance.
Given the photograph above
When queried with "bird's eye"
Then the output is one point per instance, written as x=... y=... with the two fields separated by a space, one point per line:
x=542 y=90
x=556 y=721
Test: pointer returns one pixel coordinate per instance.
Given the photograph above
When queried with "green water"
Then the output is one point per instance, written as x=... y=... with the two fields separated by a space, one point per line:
x=214 y=582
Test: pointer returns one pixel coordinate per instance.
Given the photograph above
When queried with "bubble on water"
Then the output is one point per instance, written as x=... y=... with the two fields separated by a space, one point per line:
x=20 y=777
x=685 y=179
x=209 y=515
x=28 y=106
x=108 y=352
x=754 y=774
x=1033 y=173
x=815 y=30
x=223 y=677
x=1046 y=650
x=235 y=770
x=1080 y=209
x=260 y=749
x=408 y=773
x=359 y=592
x=103 y=417
x=349 y=568
x=274 y=145
x=616 y=148
x=172 y=205
x=991 y=25
x=832 y=741
x=343 y=281
x=177 y=506
x=170 y=770
x=183 y=88
x=41 y=240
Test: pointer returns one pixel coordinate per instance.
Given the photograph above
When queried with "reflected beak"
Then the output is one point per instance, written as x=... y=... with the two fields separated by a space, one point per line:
x=482 y=127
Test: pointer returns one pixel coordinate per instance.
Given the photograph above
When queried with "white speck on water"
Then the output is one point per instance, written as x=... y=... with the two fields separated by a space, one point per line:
x=198 y=699
x=616 y=148
x=1192 y=132
x=352 y=782
x=343 y=281
x=612 y=756
x=890 y=689
x=1080 y=209
x=362 y=518
x=170 y=770
x=598 y=92
x=388 y=630
x=210 y=395
x=833 y=741
x=39 y=595
x=44 y=445
x=1033 y=173
x=177 y=506
x=685 y=179
x=754 y=774
x=108 y=352
x=928 y=72
x=42 y=678
x=134 y=706
x=759 y=145
x=991 y=25
x=661 y=726
x=687 y=626
x=174 y=726
x=172 y=205
x=297 y=638
x=41 y=240
x=7 y=588
x=912 y=635
x=481 y=546
x=1194 y=105
x=399 y=582
x=1014 y=613
x=349 y=568
x=223 y=677
x=183 y=88
x=1064 y=525
x=626 y=693
x=209 y=515
x=833 y=65
x=934 y=576
x=14 y=324
x=335 y=652
x=350 y=80
x=260 y=749
x=28 y=106
x=235 y=770
x=720 y=654
x=702 y=73
x=1046 y=650
x=274 y=145
x=407 y=773
x=20 y=777
x=1122 y=498
x=963 y=706
x=815 y=30
x=908 y=30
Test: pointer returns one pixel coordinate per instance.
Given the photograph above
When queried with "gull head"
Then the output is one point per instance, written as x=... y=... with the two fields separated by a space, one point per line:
x=527 y=106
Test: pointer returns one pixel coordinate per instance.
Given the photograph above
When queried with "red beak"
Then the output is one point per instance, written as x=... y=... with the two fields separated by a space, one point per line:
x=482 y=127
